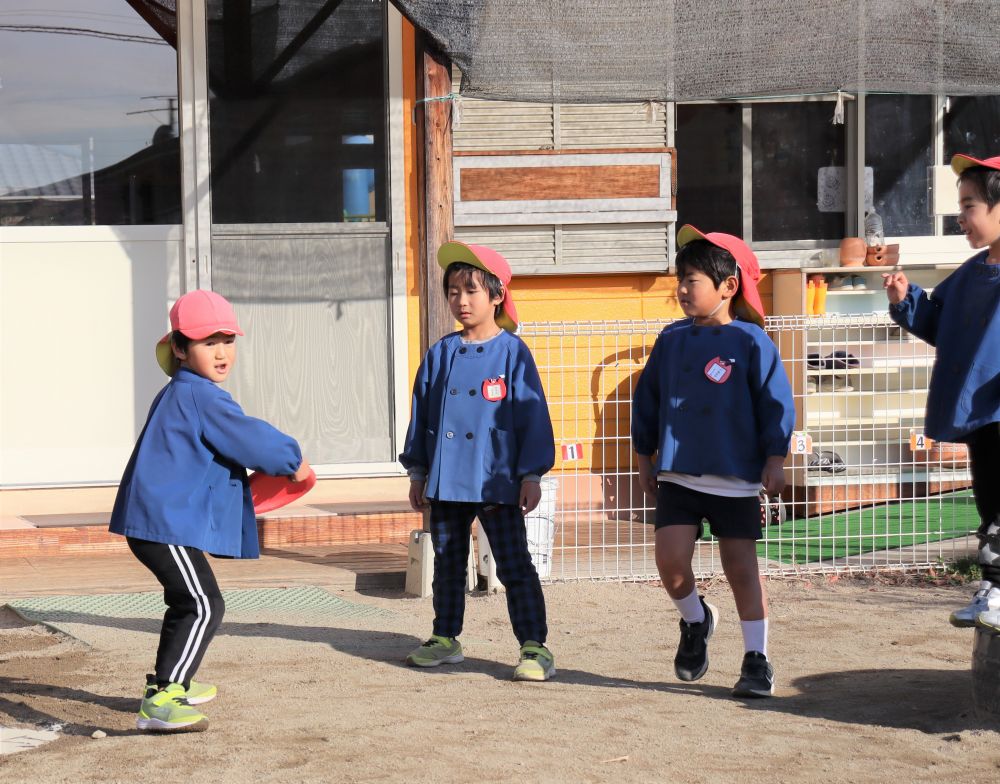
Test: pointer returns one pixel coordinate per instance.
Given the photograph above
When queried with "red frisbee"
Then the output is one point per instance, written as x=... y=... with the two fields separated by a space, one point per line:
x=273 y=492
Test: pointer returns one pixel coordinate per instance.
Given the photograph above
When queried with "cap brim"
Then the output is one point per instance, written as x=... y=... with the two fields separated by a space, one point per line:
x=165 y=356
x=959 y=163
x=273 y=492
x=453 y=252
x=689 y=233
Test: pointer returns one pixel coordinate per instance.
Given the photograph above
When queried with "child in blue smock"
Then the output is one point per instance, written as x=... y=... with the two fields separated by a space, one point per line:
x=185 y=493
x=479 y=441
x=712 y=418
x=961 y=319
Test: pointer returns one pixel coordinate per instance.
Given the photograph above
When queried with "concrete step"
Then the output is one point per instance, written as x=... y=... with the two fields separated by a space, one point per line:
x=323 y=524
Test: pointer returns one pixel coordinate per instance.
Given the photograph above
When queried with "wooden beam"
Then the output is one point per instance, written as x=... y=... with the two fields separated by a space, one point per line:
x=438 y=189
x=526 y=183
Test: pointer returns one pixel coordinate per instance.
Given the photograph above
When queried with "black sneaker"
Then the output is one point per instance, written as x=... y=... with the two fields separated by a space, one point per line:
x=691 y=661
x=756 y=676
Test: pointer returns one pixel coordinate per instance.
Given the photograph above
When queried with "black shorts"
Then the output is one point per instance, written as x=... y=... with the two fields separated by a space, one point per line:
x=735 y=518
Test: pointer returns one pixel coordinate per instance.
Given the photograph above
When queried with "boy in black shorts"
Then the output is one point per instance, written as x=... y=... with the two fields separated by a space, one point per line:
x=712 y=417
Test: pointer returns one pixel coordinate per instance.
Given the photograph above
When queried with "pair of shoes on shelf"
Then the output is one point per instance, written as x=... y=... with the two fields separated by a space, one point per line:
x=835 y=360
x=536 y=661
x=985 y=605
x=691 y=660
x=828 y=384
x=846 y=282
x=827 y=461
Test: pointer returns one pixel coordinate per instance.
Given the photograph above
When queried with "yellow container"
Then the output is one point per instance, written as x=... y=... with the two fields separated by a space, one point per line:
x=810 y=298
x=819 y=302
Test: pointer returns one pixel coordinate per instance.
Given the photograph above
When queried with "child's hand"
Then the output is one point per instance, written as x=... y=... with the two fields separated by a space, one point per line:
x=303 y=473
x=773 y=476
x=895 y=285
x=418 y=502
x=647 y=476
x=531 y=494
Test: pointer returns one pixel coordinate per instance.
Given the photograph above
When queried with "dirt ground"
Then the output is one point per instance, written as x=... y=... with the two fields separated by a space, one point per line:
x=873 y=685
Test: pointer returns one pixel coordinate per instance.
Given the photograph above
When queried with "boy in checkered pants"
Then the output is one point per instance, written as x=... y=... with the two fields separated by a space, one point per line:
x=479 y=441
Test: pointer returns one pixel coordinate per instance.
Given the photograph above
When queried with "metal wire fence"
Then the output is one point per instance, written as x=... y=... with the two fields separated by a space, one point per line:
x=865 y=488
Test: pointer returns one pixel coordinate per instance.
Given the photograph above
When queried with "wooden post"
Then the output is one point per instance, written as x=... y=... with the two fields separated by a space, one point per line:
x=438 y=223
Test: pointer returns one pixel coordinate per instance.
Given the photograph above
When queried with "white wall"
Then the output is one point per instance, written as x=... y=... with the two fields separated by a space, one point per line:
x=81 y=309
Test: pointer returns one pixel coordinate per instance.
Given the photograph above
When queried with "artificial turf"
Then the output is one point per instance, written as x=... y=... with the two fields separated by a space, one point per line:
x=884 y=527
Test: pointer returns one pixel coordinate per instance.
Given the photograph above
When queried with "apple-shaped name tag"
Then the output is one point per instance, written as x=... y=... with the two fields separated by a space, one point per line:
x=718 y=370
x=494 y=389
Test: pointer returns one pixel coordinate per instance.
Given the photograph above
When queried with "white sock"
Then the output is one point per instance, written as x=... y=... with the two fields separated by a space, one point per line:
x=690 y=607
x=755 y=635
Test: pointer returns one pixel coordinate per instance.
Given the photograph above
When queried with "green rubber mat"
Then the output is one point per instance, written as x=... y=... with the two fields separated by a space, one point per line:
x=885 y=527
x=298 y=601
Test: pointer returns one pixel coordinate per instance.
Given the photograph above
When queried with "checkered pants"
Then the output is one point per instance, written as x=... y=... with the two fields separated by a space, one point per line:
x=451 y=523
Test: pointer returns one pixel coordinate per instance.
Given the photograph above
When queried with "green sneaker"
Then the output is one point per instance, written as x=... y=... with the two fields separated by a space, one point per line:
x=537 y=663
x=197 y=693
x=437 y=650
x=168 y=710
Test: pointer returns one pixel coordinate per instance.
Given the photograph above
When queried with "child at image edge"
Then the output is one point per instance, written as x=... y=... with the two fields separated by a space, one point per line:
x=961 y=319
x=712 y=418
x=185 y=493
x=479 y=441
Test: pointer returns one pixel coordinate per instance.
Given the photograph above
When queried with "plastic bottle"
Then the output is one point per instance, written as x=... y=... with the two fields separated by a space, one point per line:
x=874 y=233
x=819 y=304
x=810 y=298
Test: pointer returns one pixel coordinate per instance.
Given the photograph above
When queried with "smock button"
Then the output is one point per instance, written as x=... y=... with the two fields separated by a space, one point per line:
x=469 y=436
x=472 y=392
x=694 y=330
x=706 y=410
x=479 y=350
x=453 y=391
x=681 y=406
x=462 y=350
x=686 y=368
x=449 y=434
x=716 y=331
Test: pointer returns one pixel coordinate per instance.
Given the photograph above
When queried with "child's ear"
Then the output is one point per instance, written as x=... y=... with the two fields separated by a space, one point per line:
x=730 y=286
x=178 y=353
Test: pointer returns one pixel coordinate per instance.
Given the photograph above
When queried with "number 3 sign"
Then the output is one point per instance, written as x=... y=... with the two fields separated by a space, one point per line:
x=802 y=444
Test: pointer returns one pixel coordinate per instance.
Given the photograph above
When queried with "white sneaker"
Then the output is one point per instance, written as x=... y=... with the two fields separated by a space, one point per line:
x=989 y=620
x=987 y=599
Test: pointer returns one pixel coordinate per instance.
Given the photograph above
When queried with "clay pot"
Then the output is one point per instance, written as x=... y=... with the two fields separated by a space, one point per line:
x=852 y=252
x=882 y=255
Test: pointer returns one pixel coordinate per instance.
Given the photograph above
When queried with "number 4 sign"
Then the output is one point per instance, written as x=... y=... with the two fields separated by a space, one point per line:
x=802 y=444
x=919 y=442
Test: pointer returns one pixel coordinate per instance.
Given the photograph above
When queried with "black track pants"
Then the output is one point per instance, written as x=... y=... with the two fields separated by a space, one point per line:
x=194 y=607
x=984 y=457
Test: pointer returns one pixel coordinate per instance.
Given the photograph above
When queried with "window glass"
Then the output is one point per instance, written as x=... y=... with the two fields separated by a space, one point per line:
x=297 y=111
x=88 y=113
x=795 y=146
x=898 y=148
x=709 y=141
x=971 y=126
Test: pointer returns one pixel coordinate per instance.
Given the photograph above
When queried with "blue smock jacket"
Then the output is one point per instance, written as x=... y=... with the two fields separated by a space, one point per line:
x=475 y=449
x=698 y=426
x=961 y=318
x=186 y=482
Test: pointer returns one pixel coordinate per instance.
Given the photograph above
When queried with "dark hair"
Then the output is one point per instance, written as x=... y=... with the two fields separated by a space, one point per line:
x=468 y=272
x=180 y=340
x=986 y=181
x=702 y=256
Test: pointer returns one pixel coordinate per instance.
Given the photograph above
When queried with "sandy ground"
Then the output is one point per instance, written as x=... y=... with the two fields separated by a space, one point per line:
x=873 y=685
